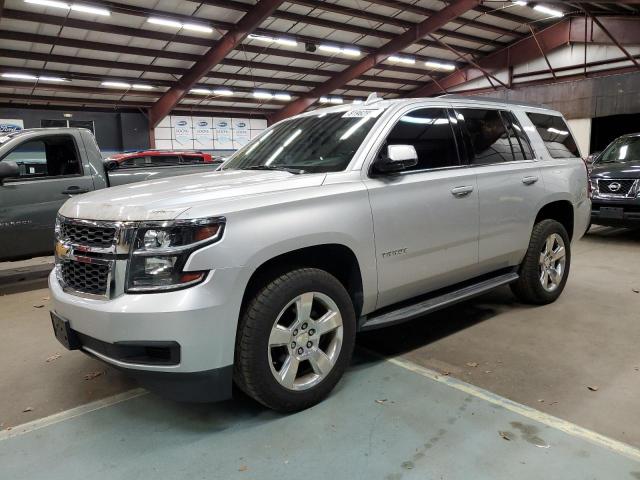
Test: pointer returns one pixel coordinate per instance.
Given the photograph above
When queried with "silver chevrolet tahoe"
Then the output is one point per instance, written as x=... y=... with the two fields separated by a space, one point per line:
x=335 y=221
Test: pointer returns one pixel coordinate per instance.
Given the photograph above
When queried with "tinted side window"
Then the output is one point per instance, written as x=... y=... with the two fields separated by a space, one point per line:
x=46 y=157
x=134 y=162
x=519 y=141
x=555 y=134
x=488 y=135
x=191 y=159
x=429 y=131
x=165 y=160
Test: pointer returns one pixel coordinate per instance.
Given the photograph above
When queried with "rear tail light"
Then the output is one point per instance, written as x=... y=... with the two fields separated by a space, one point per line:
x=589 y=189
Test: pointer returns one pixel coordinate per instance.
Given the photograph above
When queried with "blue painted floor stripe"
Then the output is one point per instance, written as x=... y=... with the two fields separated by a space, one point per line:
x=382 y=422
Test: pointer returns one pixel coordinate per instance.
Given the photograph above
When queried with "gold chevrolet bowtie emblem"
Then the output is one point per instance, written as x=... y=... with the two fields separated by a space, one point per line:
x=62 y=250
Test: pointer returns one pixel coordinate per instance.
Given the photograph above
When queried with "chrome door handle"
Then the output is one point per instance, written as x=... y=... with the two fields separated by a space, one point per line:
x=462 y=191
x=530 y=180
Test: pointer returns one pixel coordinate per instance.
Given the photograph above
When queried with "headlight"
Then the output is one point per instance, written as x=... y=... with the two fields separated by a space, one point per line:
x=161 y=250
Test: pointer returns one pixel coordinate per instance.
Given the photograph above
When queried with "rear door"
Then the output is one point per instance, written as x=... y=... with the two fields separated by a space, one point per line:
x=510 y=185
x=51 y=171
x=425 y=218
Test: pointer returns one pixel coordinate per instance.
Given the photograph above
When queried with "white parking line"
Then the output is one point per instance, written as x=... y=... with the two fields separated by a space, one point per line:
x=528 y=412
x=71 y=413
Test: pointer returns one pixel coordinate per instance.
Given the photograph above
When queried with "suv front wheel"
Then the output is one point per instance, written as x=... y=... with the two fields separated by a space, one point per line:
x=295 y=340
x=545 y=268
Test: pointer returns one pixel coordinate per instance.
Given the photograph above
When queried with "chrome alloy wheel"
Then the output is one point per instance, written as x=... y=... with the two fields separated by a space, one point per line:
x=305 y=341
x=552 y=262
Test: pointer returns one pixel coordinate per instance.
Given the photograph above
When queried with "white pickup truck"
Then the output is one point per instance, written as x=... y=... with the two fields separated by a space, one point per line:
x=334 y=221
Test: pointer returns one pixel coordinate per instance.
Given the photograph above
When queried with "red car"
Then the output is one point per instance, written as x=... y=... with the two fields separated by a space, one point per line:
x=157 y=158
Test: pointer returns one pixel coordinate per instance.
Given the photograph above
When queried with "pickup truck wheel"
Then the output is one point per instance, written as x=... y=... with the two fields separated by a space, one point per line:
x=295 y=340
x=545 y=268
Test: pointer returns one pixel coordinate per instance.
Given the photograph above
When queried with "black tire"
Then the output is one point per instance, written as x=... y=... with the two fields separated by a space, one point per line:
x=528 y=288
x=252 y=372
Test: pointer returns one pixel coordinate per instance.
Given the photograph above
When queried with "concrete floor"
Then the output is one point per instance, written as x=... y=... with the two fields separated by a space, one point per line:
x=544 y=357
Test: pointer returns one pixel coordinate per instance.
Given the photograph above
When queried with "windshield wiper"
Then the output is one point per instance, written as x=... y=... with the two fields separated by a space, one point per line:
x=282 y=168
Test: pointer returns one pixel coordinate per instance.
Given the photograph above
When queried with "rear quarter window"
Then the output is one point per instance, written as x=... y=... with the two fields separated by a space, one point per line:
x=555 y=134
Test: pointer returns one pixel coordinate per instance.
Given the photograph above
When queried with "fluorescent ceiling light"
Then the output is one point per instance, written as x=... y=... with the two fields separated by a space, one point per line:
x=225 y=92
x=398 y=59
x=439 y=65
x=116 y=84
x=164 y=21
x=261 y=38
x=89 y=9
x=329 y=48
x=19 y=76
x=352 y=52
x=140 y=86
x=334 y=100
x=282 y=96
x=197 y=27
x=51 y=79
x=262 y=95
x=200 y=91
x=49 y=3
x=76 y=7
x=548 y=11
x=290 y=42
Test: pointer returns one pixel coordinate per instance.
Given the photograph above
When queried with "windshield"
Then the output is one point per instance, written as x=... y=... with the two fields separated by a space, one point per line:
x=310 y=144
x=624 y=149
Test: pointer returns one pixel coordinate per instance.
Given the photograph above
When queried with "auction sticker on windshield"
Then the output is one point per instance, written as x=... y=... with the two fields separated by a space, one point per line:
x=363 y=113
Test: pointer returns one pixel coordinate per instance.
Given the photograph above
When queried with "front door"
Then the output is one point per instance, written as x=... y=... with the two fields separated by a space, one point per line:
x=50 y=173
x=426 y=218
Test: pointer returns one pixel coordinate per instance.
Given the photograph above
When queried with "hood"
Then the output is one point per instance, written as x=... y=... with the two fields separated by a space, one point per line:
x=167 y=198
x=616 y=170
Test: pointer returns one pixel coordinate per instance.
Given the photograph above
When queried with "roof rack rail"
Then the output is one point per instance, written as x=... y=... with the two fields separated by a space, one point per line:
x=453 y=96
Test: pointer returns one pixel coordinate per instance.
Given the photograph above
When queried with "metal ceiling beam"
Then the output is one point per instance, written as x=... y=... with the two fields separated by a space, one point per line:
x=521 y=51
x=350 y=12
x=613 y=39
x=258 y=81
x=426 y=12
x=567 y=68
x=198 y=41
x=15 y=100
x=569 y=30
x=213 y=57
x=153 y=53
x=420 y=30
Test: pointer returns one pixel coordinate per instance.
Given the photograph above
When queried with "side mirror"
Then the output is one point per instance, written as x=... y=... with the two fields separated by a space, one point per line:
x=8 y=170
x=397 y=159
x=111 y=165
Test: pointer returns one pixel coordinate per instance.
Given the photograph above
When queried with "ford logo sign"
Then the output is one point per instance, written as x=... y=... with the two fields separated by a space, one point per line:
x=203 y=124
x=222 y=124
x=9 y=127
x=182 y=123
x=242 y=125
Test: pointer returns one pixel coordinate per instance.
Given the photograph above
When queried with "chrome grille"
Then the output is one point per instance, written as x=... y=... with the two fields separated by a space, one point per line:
x=616 y=187
x=88 y=235
x=84 y=277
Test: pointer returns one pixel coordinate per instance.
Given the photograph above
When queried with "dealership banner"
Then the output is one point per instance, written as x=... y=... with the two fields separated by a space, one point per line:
x=182 y=132
x=241 y=132
x=222 y=137
x=202 y=133
x=8 y=125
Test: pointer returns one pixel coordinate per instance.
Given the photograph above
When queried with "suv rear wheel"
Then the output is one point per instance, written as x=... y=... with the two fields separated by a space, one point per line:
x=295 y=340
x=545 y=268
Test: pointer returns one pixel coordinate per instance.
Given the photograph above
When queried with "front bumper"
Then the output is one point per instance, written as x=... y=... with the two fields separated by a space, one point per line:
x=199 y=323
x=630 y=212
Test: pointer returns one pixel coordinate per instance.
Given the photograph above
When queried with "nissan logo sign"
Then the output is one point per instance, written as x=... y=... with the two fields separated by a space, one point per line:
x=614 y=186
x=182 y=123
x=203 y=124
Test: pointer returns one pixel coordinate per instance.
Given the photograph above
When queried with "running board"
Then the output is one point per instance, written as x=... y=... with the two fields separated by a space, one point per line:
x=409 y=312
